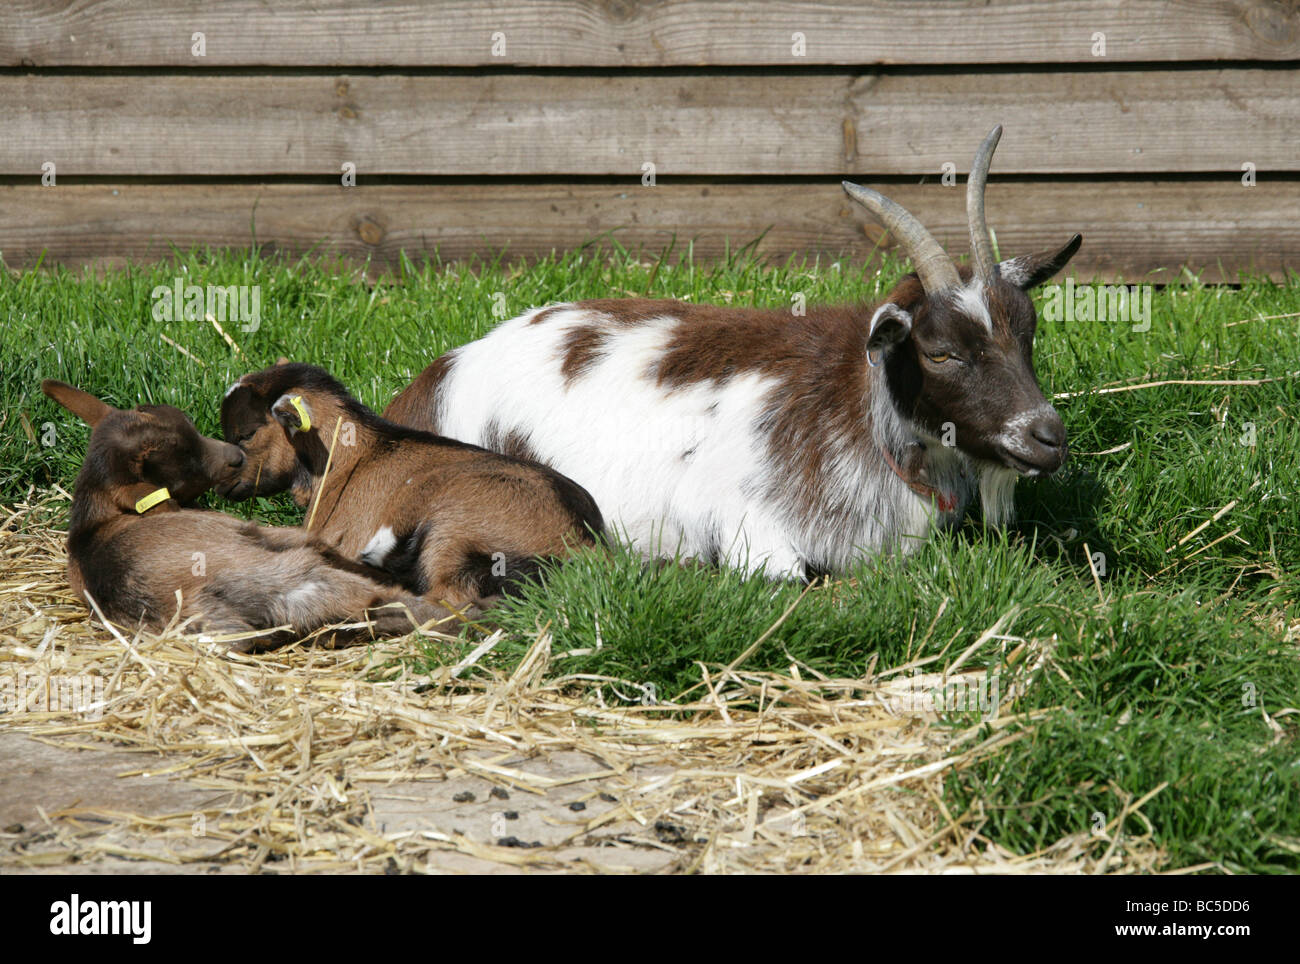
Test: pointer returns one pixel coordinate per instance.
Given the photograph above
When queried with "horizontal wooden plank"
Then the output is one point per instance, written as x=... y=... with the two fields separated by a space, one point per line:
x=1129 y=228
x=516 y=124
x=619 y=33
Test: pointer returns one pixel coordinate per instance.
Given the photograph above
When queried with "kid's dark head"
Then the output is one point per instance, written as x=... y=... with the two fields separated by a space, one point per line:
x=149 y=447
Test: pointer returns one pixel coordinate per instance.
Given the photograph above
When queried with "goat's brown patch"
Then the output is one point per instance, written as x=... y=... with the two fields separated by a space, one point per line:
x=545 y=314
x=706 y=343
x=582 y=348
x=909 y=293
x=635 y=311
x=511 y=443
x=712 y=344
x=419 y=405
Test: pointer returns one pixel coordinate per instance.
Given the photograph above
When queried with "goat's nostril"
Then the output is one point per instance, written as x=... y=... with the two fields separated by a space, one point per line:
x=236 y=458
x=1049 y=431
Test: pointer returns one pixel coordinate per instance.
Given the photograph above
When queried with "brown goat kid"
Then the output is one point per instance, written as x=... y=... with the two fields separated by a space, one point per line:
x=452 y=522
x=132 y=544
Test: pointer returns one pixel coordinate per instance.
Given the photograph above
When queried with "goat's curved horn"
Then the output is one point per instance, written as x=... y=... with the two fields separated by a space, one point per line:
x=935 y=269
x=981 y=244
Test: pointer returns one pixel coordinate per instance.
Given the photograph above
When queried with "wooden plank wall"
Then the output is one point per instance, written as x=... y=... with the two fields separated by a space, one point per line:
x=527 y=125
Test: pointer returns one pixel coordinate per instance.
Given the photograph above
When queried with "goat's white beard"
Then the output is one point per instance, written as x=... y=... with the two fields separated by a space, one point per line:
x=997 y=494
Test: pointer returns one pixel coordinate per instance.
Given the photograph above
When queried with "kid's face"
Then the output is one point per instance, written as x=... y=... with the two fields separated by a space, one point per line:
x=164 y=448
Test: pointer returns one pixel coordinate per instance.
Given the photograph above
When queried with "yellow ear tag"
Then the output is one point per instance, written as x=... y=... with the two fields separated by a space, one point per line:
x=303 y=417
x=151 y=500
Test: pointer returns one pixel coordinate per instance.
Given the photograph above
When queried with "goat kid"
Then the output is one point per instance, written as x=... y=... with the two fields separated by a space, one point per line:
x=132 y=544
x=765 y=440
x=452 y=522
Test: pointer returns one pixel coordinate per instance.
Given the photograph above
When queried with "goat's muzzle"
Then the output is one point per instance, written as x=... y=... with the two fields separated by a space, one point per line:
x=222 y=461
x=1034 y=443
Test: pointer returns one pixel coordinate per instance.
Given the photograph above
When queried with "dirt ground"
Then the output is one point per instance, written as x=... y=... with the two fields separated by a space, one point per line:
x=47 y=786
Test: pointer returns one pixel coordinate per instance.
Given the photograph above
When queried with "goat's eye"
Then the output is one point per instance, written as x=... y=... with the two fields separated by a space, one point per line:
x=938 y=357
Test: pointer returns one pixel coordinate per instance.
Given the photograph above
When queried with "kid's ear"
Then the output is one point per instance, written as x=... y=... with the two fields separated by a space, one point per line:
x=293 y=412
x=136 y=440
x=85 y=406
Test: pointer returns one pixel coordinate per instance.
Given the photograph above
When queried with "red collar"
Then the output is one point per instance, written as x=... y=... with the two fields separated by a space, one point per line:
x=946 y=503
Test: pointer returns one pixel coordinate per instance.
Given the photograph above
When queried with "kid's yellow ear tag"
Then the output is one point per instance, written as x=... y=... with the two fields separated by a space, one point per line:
x=303 y=417
x=151 y=500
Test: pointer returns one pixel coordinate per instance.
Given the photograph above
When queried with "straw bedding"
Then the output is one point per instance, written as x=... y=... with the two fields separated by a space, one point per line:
x=761 y=773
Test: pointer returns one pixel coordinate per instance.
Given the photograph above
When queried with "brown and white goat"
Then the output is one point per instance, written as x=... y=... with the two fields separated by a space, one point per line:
x=133 y=545
x=767 y=440
x=454 y=523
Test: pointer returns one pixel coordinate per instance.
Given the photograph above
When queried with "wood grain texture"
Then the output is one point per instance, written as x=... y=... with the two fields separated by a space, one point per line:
x=649 y=33
x=1130 y=228
x=519 y=124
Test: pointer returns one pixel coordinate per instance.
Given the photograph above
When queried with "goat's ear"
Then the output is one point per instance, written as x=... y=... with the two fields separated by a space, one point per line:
x=889 y=325
x=292 y=411
x=1031 y=270
x=84 y=405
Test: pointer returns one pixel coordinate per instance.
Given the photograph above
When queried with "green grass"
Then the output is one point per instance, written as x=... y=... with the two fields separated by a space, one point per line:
x=1165 y=678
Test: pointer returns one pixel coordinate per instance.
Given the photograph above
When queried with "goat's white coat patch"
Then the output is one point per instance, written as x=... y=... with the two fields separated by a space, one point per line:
x=304 y=595
x=997 y=494
x=971 y=300
x=1016 y=270
x=379 y=546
